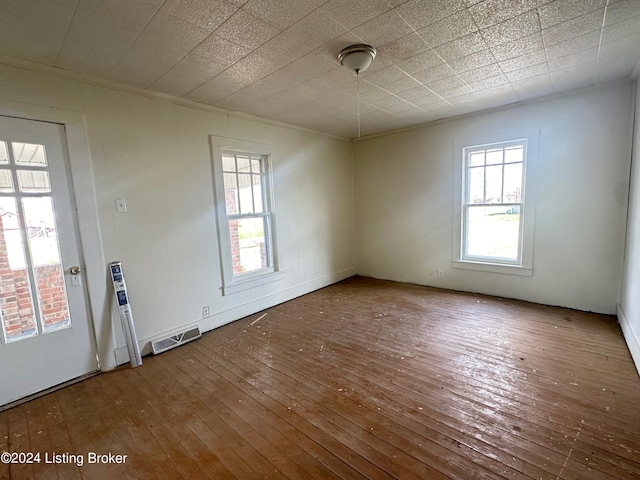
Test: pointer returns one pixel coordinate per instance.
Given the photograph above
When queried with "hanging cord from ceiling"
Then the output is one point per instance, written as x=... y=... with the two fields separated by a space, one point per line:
x=358 y=98
x=357 y=58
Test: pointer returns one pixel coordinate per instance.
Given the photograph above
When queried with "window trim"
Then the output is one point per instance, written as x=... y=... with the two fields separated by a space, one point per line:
x=232 y=283
x=523 y=266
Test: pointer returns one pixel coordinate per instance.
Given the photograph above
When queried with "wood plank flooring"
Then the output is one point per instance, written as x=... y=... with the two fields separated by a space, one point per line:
x=362 y=379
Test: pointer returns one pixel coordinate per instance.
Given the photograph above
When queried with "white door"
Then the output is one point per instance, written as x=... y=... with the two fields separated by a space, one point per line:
x=45 y=333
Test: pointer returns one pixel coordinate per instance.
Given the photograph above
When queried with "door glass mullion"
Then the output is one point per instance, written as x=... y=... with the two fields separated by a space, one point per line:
x=47 y=266
x=21 y=317
x=29 y=264
x=25 y=242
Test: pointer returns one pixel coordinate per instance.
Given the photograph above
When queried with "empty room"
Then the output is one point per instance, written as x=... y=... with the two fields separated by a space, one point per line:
x=320 y=239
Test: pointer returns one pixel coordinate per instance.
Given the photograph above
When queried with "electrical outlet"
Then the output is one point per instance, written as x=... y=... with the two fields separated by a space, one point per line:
x=441 y=273
x=205 y=312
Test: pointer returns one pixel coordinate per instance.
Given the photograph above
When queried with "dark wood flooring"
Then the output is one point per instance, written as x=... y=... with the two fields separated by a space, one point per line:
x=363 y=379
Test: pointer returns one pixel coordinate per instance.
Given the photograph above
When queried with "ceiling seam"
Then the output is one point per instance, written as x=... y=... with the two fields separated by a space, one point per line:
x=213 y=32
x=492 y=52
x=346 y=30
x=240 y=59
x=546 y=53
x=434 y=51
x=66 y=34
x=128 y=49
x=595 y=66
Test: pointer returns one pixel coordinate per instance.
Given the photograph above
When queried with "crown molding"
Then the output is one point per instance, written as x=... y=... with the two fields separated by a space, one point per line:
x=100 y=82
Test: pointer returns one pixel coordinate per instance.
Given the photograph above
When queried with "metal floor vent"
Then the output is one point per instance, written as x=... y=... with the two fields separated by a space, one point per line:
x=168 y=343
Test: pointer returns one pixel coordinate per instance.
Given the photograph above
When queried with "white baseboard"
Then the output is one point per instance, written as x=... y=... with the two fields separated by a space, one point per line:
x=630 y=336
x=240 y=311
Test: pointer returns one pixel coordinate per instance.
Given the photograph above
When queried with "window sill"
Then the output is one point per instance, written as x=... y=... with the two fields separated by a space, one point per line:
x=242 y=285
x=493 y=267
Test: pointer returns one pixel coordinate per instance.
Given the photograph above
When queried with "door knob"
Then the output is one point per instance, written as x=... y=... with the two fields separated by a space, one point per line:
x=75 y=270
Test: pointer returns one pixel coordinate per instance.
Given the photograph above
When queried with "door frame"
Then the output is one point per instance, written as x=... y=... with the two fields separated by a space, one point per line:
x=82 y=184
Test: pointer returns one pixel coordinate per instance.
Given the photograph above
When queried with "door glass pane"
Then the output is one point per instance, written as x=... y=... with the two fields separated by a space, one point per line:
x=243 y=164
x=45 y=258
x=493 y=232
x=33 y=181
x=29 y=154
x=16 y=300
x=255 y=165
x=4 y=156
x=228 y=163
x=6 y=181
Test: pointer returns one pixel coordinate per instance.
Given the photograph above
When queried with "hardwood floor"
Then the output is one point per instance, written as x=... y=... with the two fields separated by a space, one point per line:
x=363 y=379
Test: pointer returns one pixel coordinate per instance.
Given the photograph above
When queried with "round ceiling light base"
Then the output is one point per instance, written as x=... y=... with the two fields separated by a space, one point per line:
x=357 y=57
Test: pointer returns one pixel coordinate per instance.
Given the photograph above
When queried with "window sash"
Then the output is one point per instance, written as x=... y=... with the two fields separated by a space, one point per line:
x=467 y=204
x=249 y=170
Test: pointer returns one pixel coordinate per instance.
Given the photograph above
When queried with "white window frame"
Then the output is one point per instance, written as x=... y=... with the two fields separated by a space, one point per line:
x=233 y=283
x=524 y=264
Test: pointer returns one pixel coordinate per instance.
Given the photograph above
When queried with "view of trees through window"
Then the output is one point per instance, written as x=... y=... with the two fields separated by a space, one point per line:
x=492 y=208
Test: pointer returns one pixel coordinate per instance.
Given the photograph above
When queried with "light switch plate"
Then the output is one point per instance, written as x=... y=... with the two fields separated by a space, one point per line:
x=121 y=205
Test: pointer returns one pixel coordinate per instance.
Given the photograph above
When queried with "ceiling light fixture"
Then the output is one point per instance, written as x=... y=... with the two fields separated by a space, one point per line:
x=357 y=58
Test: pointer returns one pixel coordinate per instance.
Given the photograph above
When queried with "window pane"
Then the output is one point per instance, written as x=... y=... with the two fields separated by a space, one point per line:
x=245 y=192
x=494 y=184
x=33 y=181
x=249 y=229
x=257 y=193
x=45 y=258
x=248 y=244
x=29 y=154
x=41 y=230
x=476 y=159
x=6 y=181
x=228 y=163
x=513 y=183
x=494 y=156
x=514 y=154
x=16 y=301
x=476 y=185
x=493 y=232
x=243 y=164
x=230 y=192
x=4 y=155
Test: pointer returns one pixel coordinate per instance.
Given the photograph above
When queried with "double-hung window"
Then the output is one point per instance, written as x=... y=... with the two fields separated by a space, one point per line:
x=248 y=214
x=495 y=224
x=245 y=213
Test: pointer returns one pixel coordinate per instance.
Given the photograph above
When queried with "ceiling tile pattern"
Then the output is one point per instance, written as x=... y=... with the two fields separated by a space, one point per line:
x=277 y=58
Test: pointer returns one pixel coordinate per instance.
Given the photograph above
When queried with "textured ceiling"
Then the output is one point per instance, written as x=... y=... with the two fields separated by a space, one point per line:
x=277 y=58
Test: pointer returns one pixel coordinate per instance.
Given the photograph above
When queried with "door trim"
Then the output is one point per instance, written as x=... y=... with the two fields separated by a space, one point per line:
x=82 y=187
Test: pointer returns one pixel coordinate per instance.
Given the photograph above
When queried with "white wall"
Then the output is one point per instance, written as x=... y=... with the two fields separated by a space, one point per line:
x=404 y=200
x=156 y=155
x=629 y=308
